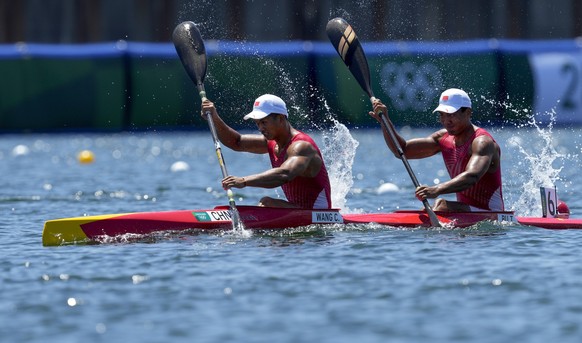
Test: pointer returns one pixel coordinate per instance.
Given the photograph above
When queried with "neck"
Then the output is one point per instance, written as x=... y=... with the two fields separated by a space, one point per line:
x=285 y=137
x=464 y=135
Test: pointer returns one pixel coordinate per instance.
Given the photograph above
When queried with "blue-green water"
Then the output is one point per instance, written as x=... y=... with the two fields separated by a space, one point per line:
x=318 y=284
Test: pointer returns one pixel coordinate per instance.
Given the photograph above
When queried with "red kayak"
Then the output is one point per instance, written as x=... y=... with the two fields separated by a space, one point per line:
x=96 y=228
x=460 y=219
x=410 y=218
x=551 y=223
x=92 y=228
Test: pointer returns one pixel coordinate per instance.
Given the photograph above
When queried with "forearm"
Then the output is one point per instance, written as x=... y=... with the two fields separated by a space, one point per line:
x=388 y=139
x=269 y=179
x=457 y=184
x=227 y=135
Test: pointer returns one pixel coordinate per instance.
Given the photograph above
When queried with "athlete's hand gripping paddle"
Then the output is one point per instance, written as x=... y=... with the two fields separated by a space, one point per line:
x=348 y=46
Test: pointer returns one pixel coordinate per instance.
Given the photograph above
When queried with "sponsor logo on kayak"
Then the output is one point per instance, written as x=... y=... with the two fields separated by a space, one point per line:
x=326 y=217
x=505 y=217
x=220 y=216
x=212 y=216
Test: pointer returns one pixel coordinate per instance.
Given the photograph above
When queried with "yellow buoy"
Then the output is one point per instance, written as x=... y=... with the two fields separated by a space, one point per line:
x=86 y=157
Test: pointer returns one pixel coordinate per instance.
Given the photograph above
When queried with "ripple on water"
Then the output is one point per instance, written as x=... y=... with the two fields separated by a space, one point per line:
x=341 y=283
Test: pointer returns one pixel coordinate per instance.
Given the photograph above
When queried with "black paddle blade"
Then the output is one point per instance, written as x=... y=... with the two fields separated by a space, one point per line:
x=190 y=48
x=346 y=43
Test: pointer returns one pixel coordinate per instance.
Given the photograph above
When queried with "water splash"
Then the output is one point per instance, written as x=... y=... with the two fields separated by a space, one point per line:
x=238 y=226
x=206 y=17
x=307 y=105
x=339 y=151
x=287 y=85
x=339 y=147
x=543 y=163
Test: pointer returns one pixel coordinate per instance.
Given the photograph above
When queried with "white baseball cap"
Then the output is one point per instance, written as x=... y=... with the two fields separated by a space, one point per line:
x=265 y=105
x=452 y=99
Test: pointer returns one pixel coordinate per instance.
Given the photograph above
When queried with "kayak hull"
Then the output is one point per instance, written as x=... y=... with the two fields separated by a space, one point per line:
x=91 y=228
x=410 y=218
x=96 y=228
x=551 y=223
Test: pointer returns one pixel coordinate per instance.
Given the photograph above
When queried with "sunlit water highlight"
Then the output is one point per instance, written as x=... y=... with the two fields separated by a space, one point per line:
x=335 y=284
x=330 y=284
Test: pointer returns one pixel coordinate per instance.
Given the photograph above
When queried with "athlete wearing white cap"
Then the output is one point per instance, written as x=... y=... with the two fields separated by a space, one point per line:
x=471 y=156
x=298 y=165
x=452 y=100
x=265 y=105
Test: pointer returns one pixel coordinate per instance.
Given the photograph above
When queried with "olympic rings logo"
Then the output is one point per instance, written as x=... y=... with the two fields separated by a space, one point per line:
x=411 y=87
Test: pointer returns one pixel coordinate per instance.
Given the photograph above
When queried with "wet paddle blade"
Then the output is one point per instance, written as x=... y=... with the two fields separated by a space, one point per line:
x=348 y=46
x=190 y=48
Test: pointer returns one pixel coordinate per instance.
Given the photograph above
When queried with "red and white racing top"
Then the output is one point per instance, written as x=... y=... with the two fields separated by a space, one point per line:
x=486 y=193
x=305 y=192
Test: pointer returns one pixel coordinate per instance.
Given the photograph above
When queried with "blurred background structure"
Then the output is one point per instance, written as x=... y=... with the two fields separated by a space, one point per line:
x=110 y=64
x=80 y=21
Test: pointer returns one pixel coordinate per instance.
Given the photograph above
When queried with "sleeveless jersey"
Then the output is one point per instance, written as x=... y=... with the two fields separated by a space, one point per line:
x=486 y=193
x=305 y=192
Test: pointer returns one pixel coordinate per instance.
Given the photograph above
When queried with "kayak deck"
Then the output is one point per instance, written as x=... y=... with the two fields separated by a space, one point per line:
x=93 y=228
x=551 y=223
x=407 y=218
x=90 y=228
x=411 y=218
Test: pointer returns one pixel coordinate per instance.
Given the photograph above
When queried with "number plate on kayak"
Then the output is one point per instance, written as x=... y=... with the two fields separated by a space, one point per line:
x=506 y=218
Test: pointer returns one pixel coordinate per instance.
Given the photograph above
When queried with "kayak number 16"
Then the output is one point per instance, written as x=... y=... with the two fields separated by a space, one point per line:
x=549 y=202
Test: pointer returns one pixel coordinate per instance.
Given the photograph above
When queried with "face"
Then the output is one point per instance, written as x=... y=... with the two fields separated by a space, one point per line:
x=455 y=122
x=268 y=125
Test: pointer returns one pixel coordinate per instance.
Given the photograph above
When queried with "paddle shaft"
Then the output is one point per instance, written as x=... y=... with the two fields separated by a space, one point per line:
x=236 y=223
x=218 y=150
x=217 y=146
x=396 y=143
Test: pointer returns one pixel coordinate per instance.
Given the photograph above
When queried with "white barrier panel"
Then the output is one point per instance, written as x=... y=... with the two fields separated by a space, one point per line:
x=558 y=86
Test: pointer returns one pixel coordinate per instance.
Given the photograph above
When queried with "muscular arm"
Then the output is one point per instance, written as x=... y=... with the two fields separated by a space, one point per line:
x=300 y=155
x=302 y=160
x=423 y=147
x=413 y=148
x=232 y=138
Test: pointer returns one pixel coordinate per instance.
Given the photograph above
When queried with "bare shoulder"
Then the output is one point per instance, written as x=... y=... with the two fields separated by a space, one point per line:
x=437 y=135
x=484 y=144
x=484 y=139
x=301 y=148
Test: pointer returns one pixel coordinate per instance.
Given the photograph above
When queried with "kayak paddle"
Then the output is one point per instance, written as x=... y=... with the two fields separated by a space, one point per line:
x=344 y=40
x=192 y=53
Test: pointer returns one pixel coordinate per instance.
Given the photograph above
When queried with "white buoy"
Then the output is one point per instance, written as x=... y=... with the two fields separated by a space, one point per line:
x=20 y=150
x=387 y=188
x=179 y=166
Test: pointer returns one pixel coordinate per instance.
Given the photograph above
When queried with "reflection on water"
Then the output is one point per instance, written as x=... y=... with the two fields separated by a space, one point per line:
x=351 y=279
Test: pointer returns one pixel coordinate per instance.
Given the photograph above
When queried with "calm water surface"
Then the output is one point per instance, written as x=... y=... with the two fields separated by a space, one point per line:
x=317 y=284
